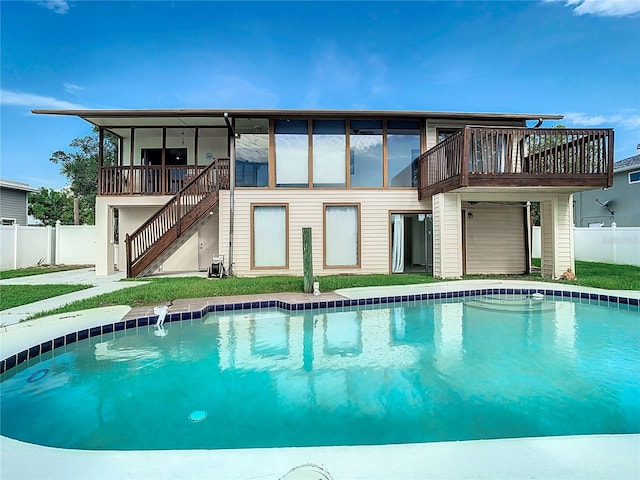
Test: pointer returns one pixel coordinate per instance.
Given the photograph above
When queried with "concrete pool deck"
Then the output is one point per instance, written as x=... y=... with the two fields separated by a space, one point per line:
x=569 y=457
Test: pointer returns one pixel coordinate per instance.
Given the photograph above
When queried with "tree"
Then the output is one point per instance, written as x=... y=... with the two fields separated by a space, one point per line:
x=80 y=166
x=51 y=206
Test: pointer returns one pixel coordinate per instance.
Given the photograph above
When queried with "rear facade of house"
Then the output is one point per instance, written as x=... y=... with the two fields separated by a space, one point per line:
x=382 y=191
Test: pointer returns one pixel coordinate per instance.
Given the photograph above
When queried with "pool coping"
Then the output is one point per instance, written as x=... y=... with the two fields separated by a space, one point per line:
x=569 y=457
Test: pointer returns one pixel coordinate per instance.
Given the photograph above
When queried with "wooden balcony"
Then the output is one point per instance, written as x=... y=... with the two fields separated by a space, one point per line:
x=495 y=159
x=155 y=179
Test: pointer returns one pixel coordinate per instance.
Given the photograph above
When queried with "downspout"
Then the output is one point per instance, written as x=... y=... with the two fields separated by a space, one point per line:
x=232 y=181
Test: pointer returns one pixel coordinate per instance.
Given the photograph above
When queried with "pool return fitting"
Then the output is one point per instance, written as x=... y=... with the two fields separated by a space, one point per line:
x=161 y=311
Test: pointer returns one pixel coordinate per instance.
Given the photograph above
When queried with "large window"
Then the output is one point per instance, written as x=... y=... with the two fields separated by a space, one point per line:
x=365 y=163
x=634 y=177
x=403 y=145
x=342 y=236
x=329 y=153
x=292 y=153
x=270 y=232
x=252 y=152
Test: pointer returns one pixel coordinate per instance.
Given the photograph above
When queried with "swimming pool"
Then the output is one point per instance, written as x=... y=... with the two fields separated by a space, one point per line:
x=493 y=367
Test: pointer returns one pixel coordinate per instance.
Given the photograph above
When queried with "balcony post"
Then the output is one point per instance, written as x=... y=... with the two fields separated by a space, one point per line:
x=464 y=168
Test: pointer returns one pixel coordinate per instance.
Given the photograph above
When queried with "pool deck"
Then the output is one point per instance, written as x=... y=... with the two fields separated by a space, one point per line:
x=569 y=457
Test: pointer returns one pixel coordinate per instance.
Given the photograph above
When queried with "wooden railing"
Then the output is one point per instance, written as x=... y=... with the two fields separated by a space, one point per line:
x=512 y=157
x=188 y=205
x=146 y=179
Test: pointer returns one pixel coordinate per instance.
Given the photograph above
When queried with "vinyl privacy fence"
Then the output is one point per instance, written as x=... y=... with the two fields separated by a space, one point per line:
x=28 y=246
x=618 y=245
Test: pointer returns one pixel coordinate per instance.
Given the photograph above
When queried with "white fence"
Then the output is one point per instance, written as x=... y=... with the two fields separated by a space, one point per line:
x=620 y=245
x=22 y=246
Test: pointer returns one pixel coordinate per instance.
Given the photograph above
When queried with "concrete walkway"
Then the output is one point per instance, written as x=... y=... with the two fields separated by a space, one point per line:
x=84 y=276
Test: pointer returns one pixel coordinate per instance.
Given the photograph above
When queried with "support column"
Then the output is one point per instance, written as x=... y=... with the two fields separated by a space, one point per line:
x=104 y=238
x=447 y=235
x=556 y=222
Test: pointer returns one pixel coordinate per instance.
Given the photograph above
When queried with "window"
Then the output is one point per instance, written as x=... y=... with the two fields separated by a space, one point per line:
x=329 y=153
x=342 y=236
x=252 y=152
x=173 y=156
x=365 y=163
x=634 y=177
x=292 y=153
x=444 y=133
x=403 y=147
x=269 y=236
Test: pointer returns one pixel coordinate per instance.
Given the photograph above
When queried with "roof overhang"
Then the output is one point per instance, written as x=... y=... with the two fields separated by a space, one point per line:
x=215 y=117
x=23 y=187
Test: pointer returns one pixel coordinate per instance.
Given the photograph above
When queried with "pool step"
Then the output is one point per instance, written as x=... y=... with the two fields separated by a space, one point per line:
x=511 y=304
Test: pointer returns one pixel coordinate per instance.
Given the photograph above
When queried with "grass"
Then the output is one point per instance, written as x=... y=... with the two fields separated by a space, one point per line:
x=17 y=295
x=25 y=272
x=162 y=290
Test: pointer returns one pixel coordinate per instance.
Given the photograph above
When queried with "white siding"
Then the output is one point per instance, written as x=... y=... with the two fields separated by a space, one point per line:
x=447 y=236
x=557 y=235
x=306 y=210
x=495 y=239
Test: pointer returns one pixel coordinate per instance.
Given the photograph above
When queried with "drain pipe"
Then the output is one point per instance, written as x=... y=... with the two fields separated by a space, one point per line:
x=232 y=181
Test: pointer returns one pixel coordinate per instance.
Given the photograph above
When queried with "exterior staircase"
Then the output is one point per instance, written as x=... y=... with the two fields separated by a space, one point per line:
x=162 y=234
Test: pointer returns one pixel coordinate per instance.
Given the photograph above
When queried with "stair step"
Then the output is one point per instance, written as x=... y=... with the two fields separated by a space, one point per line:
x=512 y=304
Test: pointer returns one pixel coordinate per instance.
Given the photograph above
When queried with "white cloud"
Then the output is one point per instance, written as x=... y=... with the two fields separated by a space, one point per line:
x=72 y=88
x=584 y=120
x=56 y=6
x=30 y=100
x=603 y=8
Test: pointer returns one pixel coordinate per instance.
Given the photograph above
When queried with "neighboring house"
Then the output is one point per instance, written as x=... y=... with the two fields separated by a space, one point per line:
x=14 y=202
x=619 y=204
x=383 y=191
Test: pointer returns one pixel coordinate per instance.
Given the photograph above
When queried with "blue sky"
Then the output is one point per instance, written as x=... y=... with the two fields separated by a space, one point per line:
x=578 y=58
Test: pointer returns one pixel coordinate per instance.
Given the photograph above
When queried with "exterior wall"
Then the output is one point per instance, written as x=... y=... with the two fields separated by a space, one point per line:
x=306 y=210
x=556 y=218
x=134 y=211
x=13 y=204
x=495 y=239
x=447 y=235
x=623 y=199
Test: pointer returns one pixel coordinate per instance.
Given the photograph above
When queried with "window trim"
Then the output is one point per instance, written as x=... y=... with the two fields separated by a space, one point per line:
x=286 y=237
x=634 y=181
x=358 y=207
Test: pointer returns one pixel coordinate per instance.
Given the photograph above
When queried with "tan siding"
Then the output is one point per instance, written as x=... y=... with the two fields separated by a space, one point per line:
x=495 y=240
x=547 y=235
x=306 y=210
x=557 y=236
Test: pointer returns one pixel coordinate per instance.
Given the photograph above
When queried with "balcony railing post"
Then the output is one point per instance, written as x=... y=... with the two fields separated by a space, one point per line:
x=127 y=242
x=464 y=168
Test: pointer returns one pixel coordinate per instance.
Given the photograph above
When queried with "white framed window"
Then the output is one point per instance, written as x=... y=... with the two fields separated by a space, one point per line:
x=634 y=177
x=341 y=235
x=269 y=236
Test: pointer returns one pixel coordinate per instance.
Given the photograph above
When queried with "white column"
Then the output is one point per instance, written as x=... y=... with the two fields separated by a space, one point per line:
x=447 y=235
x=104 y=246
x=556 y=221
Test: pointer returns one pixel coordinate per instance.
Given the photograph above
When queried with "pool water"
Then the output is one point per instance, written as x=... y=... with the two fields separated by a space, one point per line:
x=483 y=368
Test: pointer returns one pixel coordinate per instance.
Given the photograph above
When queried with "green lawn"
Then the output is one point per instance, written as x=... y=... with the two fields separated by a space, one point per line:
x=162 y=290
x=25 y=272
x=16 y=295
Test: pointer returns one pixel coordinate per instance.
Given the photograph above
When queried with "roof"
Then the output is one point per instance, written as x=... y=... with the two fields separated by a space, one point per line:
x=210 y=117
x=627 y=164
x=16 y=186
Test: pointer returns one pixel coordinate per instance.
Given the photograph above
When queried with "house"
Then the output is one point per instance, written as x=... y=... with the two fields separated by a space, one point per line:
x=617 y=204
x=14 y=202
x=383 y=191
